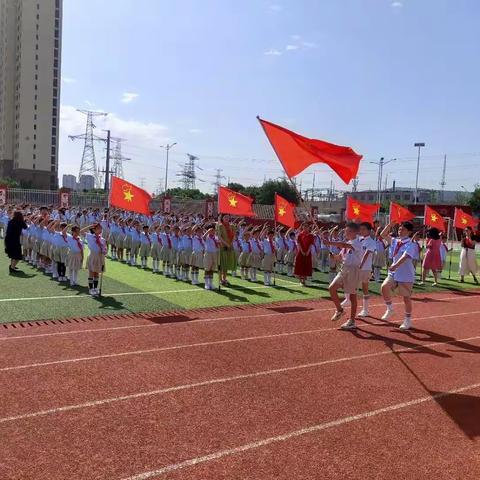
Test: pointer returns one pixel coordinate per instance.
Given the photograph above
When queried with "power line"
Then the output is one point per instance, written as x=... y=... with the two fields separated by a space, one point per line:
x=188 y=174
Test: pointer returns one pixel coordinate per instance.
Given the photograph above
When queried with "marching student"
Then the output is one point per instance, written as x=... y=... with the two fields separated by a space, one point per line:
x=244 y=258
x=75 y=255
x=96 y=258
x=198 y=252
x=468 y=259
x=443 y=252
x=256 y=253
x=401 y=273
x=156 y=248
x=61 y=250
x=351 y=254
x=334 y=261
x=291 y=251
x=145 y=245
x=369 y=246
x=379 y=260
x=269 y=257
x=210 y=258
x=136 y=239
x=282 y=248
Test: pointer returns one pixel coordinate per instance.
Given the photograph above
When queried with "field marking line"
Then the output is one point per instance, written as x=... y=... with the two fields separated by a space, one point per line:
x=204 y=344
x=84 y=296
x=223 y=380
x=201 y=320
x=298 y=433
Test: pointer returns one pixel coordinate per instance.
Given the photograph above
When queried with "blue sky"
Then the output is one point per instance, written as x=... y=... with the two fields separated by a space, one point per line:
x=377 y=75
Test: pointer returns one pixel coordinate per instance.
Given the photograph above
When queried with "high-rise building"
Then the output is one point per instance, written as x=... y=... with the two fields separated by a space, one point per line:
x=30 y=54
x=69 y=181
x=86 y=182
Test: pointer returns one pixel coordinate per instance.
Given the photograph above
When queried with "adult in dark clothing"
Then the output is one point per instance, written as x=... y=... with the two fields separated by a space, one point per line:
x=13 y=248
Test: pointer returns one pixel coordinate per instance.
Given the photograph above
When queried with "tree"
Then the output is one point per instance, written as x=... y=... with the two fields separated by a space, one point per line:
x=474 y=200
x=266 y=194
x=193 y=194
x=9 y=182
x=236 y=187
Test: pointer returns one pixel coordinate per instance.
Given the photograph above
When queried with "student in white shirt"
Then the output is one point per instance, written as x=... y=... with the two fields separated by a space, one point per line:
x=145 y=245
x=401 y=274
x=210 y=259
x=351 y=254
x=269 y=257
x=198 y=251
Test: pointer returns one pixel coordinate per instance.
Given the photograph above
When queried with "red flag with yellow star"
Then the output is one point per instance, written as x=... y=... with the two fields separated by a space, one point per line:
x=128 y=196
x=463 y=220
x=360 y=212
x=434 y=219
x=400 y=214
x=284 y=211
x=234 y=203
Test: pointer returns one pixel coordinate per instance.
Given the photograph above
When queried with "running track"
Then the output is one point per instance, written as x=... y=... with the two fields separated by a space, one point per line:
x=269 y=392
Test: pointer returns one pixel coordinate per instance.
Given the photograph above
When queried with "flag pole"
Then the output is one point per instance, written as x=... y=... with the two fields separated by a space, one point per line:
x=218 y=214
x=423 y=242
x=275 y=255
x=450 y=234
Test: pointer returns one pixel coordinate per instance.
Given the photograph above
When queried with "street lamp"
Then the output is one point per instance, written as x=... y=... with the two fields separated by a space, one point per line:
x=381 y=164
x=167 y=147
x=419 y=145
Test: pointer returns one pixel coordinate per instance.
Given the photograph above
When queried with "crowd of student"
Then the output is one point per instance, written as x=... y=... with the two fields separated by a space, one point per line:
x=179 y=246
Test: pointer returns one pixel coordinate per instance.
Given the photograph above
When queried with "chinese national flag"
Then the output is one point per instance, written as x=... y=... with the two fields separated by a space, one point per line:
x=361 y=212
x=296 y=153
x=463 y=220
x=434 y=219
x=284 y=211
x=234 y=203
x=400 y=214
x=128 y=196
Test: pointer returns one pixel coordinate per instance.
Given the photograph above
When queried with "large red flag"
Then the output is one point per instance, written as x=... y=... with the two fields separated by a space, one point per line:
x=234 y=203
x=284 y=211
x=400 y=214
x=296 y=153
x=434 y=219
x=128 y=196
x=463 y=220
x=361 y=212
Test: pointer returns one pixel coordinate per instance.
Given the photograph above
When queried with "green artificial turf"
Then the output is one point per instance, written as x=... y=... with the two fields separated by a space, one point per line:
x=33 y=295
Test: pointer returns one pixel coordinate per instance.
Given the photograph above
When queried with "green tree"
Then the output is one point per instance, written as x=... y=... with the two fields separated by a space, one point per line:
x=266 y=195
x=9 y=182
x=236 y=187
x=193 y=194
x=474 y=200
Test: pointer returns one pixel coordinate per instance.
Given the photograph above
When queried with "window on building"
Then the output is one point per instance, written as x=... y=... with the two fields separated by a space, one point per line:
x=406 y=197
x=33 y=166
x=398 y=197
x=370 y=197
x=34 y=156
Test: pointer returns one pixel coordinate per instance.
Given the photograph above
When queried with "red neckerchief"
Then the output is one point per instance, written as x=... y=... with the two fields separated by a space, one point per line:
x=200 y=239
x=398 y=246
x=99 y=243
x=285 y=245
x=79 y=243
x=64 y=236
x=159 y=240
x=169 y=240
x=272 y=246
x=214 y=239
x=249 y=247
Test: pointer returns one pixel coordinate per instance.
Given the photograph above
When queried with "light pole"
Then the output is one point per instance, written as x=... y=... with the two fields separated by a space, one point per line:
x=381 y=164
x=419 y=145
x=167 y=147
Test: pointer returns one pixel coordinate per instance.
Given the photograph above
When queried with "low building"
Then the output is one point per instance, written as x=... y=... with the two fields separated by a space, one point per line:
x=69 y=181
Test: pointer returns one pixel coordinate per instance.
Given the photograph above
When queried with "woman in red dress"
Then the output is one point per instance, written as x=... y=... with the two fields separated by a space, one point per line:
x=303 y=259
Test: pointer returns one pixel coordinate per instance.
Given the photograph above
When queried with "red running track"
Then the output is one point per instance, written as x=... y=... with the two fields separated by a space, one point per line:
x=271 y=393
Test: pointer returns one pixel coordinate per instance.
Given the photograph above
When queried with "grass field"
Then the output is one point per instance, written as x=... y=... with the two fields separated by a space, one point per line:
x=32 y=295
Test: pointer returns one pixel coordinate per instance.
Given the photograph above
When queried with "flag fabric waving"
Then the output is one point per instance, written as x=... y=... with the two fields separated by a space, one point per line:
x=400 y=214
x=463 y=220
x=359 y=211
x=128 y=196
x=234 y=203
x=296 y=152
x=434 y=219
x=284 y=211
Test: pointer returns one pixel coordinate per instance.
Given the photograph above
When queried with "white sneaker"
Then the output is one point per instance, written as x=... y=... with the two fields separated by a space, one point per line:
x=348 y=325
x=346 y=302
x=388 y=313
x=407 y=324
x=337 y=315
x=92 y=292
x=363 y=313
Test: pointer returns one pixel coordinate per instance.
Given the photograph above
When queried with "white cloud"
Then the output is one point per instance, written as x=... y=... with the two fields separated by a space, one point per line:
x=195 y=130
x=309 y=44
x=68 y=79
x=295 y=37
x=292 y=47
x=273 y=52
x=397 y=4
x=128 y=97
x=275 y=7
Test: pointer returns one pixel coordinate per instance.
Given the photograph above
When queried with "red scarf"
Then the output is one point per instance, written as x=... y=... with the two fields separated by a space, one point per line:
x=398 y=246
x=148 y=238
x=159 y=240
x=272 y=246
x=64 y=236
x=169 y=240
x=99 y=243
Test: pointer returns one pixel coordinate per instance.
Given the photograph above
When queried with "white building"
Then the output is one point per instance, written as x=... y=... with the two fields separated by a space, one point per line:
x=69 y=181
x=86 y=182
x=30 y=52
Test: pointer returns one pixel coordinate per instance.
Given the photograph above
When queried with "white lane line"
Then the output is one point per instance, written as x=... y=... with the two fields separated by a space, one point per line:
x=298 y=433
x=199 y=321
x=125 y=294
x=207 y=344
x=216 y=381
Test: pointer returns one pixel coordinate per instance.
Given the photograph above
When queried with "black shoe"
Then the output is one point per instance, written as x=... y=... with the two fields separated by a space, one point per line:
x=12 y=269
